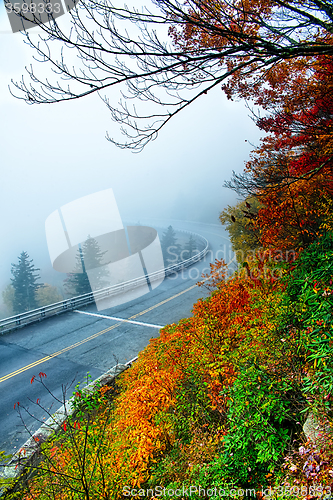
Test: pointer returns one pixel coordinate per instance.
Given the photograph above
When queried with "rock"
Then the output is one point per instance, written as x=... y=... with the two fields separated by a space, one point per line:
x=314 y=429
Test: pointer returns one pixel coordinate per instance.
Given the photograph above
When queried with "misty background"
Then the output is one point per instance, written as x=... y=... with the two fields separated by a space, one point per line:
x=54 y=154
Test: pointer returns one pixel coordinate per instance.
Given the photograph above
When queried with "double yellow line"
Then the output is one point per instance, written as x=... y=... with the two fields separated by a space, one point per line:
x=55 y=354
x=77 y=344
x=163 y=302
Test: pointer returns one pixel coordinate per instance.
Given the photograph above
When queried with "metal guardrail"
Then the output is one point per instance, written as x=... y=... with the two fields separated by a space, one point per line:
x=66 y=305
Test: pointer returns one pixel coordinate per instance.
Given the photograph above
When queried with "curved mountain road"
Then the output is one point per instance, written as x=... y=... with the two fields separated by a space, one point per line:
x=67 y=346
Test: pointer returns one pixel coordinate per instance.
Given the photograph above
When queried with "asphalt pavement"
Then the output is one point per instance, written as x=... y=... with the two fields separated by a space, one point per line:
x=68 y=347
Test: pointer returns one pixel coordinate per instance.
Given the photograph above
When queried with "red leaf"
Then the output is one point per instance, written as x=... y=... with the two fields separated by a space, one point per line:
x=37 y=402
x=41 y=374
x=33 y=378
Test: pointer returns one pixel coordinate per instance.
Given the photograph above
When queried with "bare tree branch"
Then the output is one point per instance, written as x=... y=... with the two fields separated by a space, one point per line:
x=159 y=76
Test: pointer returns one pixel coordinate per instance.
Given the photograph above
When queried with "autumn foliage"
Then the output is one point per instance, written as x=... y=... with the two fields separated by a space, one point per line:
x=220 y=399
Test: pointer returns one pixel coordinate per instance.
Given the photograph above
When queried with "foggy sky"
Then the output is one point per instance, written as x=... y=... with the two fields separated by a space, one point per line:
x=53 y=154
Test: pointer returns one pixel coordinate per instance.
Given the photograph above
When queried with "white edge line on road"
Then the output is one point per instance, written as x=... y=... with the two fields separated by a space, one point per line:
x=119 y=319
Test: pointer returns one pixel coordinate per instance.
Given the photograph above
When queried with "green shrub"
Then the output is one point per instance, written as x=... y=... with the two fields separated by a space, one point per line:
x=263 y=420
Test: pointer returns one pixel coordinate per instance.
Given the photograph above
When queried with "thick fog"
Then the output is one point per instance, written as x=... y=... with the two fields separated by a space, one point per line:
x=54 y=154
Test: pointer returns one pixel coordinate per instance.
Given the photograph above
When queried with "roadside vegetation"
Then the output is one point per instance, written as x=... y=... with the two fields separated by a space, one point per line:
x=238 y=396
x=218 y=400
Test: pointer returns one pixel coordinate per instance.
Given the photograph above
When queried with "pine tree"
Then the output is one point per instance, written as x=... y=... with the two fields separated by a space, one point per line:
x=190 y=248
x=89 y=256
x=170 y=247
x=25 y=284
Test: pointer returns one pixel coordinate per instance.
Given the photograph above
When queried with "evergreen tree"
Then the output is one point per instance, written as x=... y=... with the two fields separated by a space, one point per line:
x=25 y=284
x=170 y=247
x=190 y=248
x=89 y=256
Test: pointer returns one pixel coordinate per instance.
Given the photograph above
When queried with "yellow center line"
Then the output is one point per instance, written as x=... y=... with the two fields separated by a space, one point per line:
x=77 y=344
x=55 y=354
x=163 y=302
